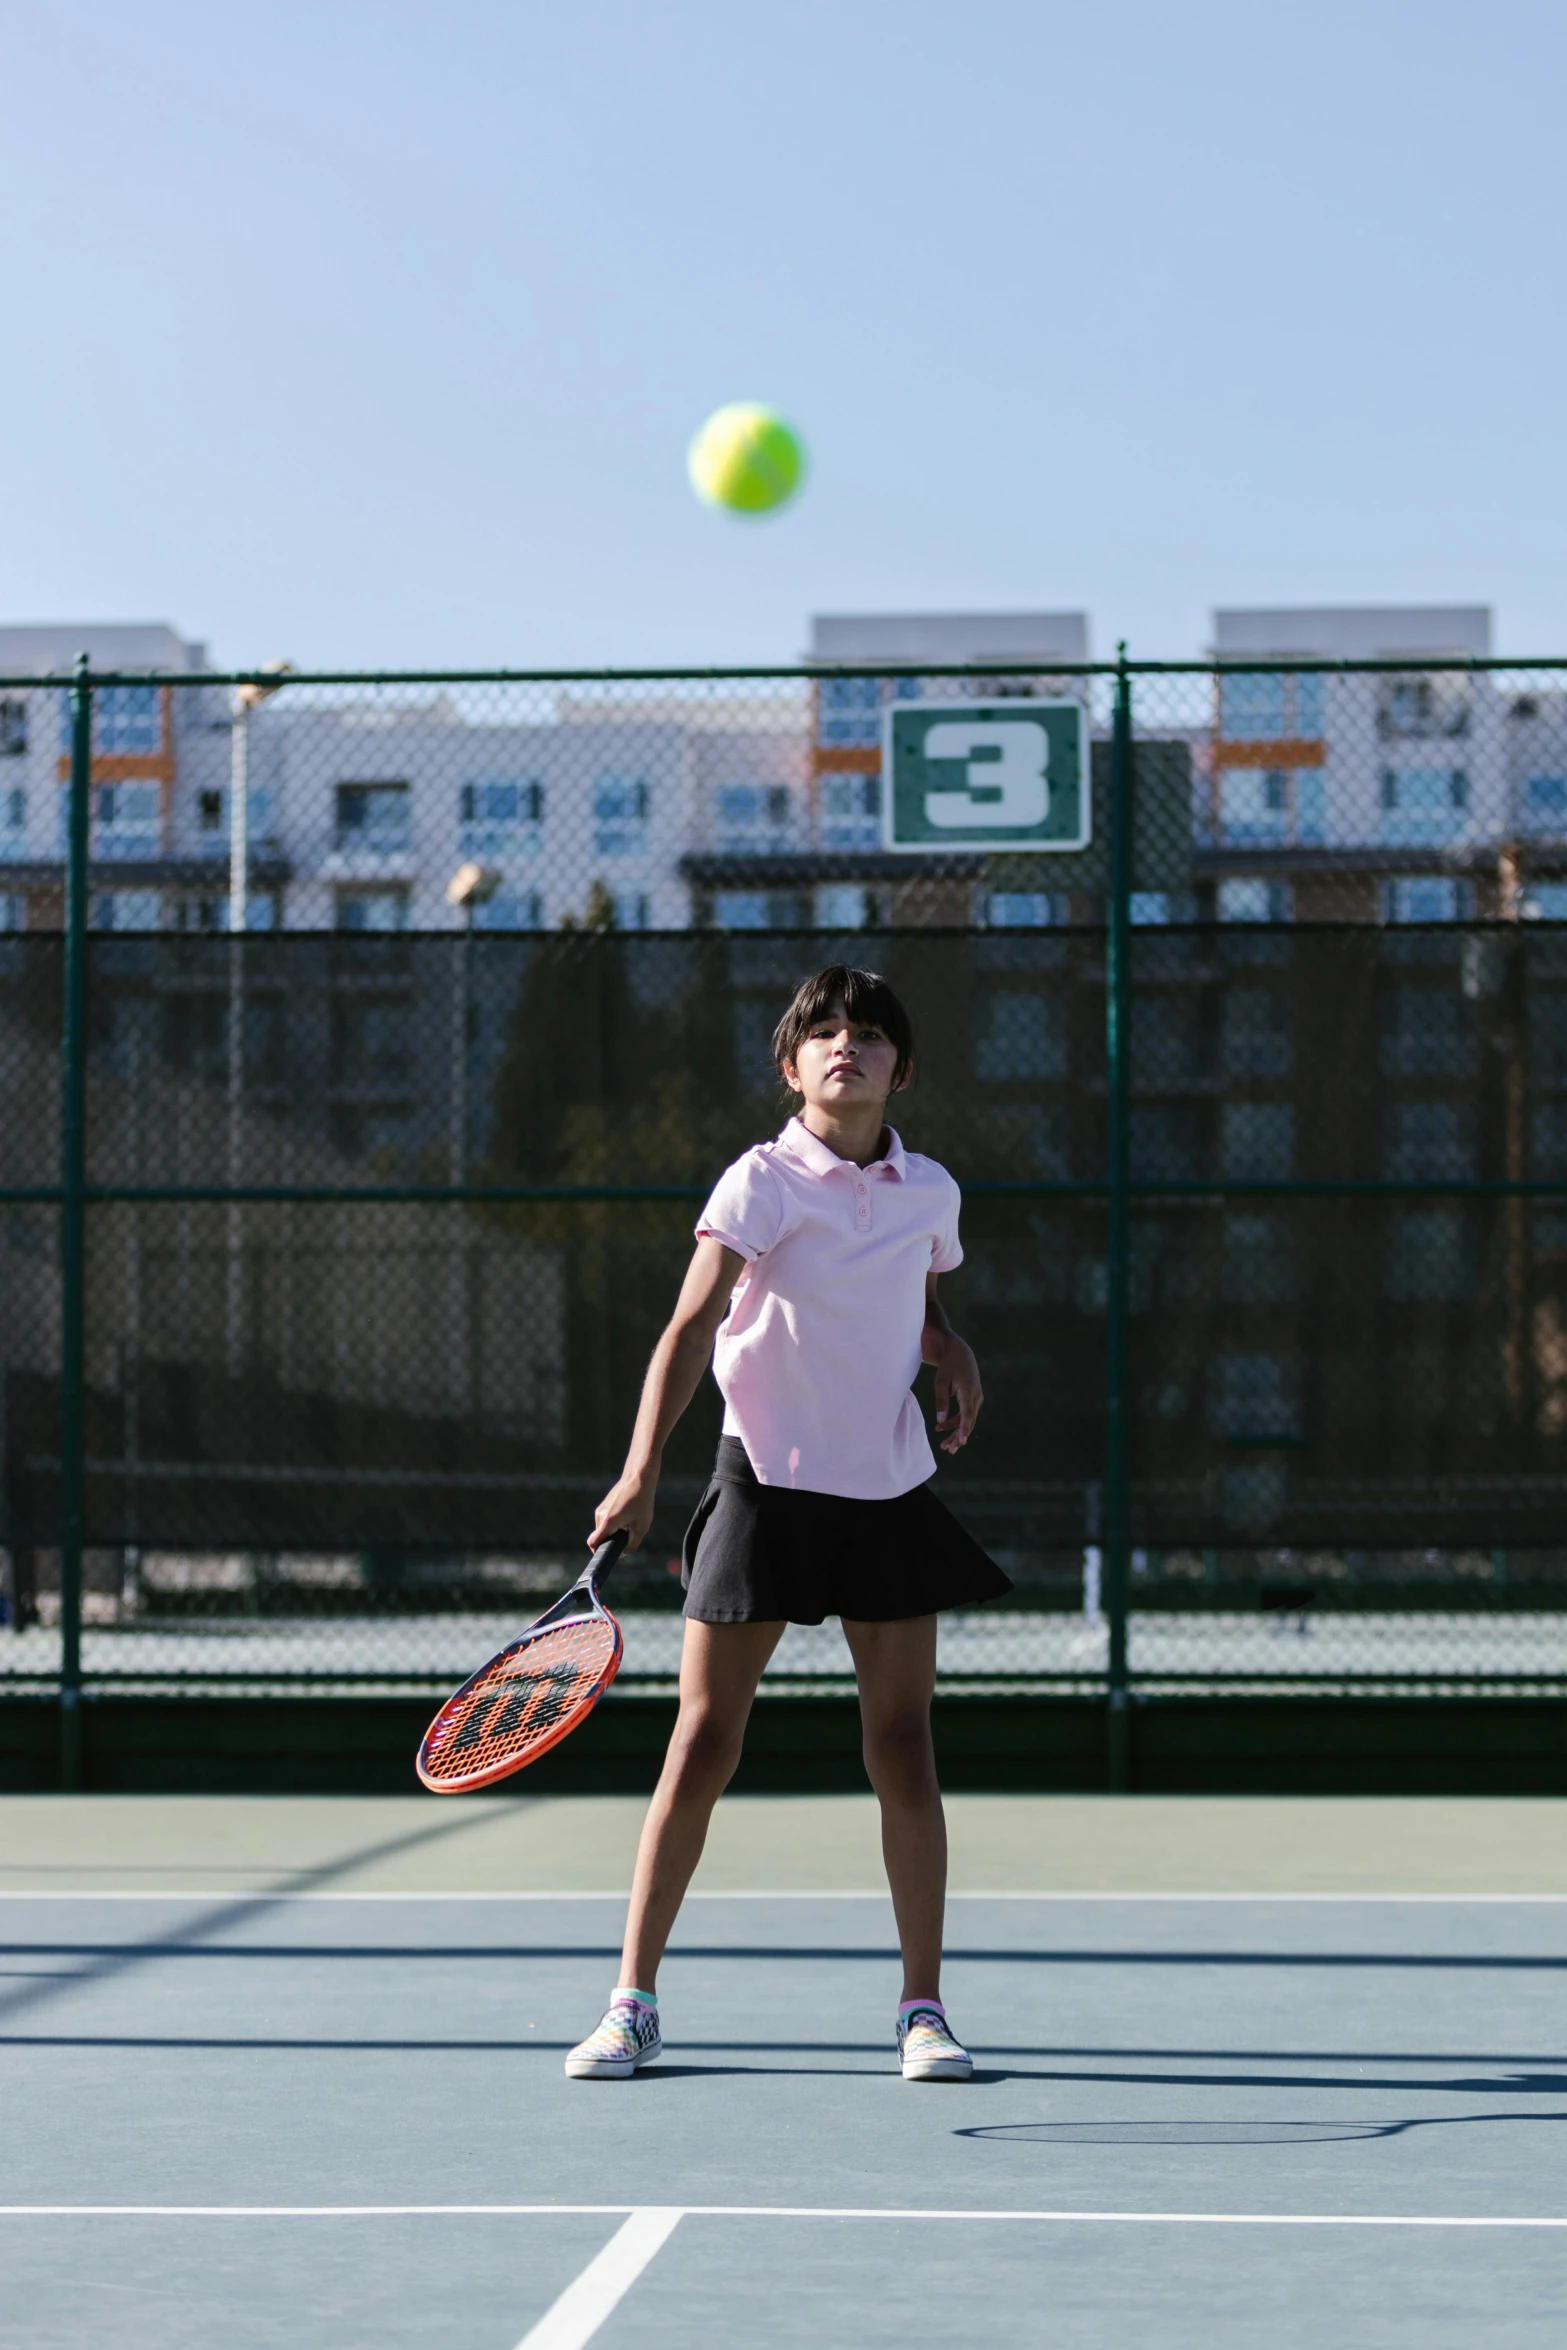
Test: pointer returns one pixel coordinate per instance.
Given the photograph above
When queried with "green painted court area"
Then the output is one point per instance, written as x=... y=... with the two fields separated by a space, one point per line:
x=1247 y=2070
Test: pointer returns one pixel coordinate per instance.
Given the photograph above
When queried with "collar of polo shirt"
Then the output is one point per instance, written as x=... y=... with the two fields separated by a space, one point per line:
x=814 y=1155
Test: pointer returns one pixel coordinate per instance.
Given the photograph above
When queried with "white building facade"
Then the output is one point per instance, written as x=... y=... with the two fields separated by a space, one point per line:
x=1412 y=794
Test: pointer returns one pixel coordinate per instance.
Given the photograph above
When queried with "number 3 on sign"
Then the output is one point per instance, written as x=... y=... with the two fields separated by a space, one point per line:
x=1006 y=780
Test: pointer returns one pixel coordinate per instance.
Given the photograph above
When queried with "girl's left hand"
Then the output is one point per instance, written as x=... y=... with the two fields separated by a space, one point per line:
x=958 y=1394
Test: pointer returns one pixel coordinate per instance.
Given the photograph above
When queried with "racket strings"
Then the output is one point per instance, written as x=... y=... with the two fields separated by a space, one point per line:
x=523 y=1701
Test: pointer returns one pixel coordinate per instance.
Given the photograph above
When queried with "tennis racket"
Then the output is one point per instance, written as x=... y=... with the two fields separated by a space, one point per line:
x=533 y=1694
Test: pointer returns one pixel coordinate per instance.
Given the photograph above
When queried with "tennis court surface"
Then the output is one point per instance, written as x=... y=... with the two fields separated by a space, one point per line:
x=291 y=2070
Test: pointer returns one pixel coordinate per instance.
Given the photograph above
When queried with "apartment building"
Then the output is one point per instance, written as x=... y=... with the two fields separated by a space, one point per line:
x=580 y=813
x=160 y=760
x=1397 y=796
x=1404 y=797
x=361 y=806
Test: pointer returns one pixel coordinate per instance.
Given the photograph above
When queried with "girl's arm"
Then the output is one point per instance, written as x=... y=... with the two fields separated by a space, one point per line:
x=673 y=1377
x=957 y=1373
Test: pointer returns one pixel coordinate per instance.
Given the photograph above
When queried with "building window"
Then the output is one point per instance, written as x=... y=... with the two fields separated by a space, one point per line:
x=841 y=905
x=1430 y=1256
x=1023 y=909
x=14 y=805
x=126 y=820
x=1426 y=1142
x=374 y=819
x=126 y=718
x=1271 y=806
x=1545 y=901
x=1020 y=1034
x=741 y=909
x=126 y=909
x=1422 y=709
x=1281 y=707
x=212 y=812
x=1254 y=804
x=1425 y=897
x=1259 y=1264
x=1253 y=709
x=1545 y=803
x=13 y=910
x=1256 y=1396
x=372 y=909
x=1257 y=1033
x=511 y=909
x=500 y=820
x=621 y=804
x=632 y=909
x=13 y=729
x=1548 y=1036
x=848 y=713
x=1257 y=1140
x=210 y=913
x=1426 y=1032
x=1167 y=1142
x=850 y=811
x=1255 y=901
x=1170 y=1048
x=1423 y=807
x=753 y=819
x=758 y=909
x=200 y=914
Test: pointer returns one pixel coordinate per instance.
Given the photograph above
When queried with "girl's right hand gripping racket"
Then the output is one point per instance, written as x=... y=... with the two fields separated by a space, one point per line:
x=533 y=1694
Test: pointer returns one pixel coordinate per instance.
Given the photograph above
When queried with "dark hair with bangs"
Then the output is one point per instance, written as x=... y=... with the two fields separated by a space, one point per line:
x=864 y=995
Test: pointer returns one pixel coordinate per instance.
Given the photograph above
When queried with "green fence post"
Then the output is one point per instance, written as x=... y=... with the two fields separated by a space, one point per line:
x=73 y=1176
x=1117 y=1217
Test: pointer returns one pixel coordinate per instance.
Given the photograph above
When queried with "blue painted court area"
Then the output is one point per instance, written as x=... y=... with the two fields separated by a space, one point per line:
x=340 y=2121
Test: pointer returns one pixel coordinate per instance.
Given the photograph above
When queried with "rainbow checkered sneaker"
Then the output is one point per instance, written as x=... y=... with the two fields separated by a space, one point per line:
x=928 y=2050
x=627 y=2036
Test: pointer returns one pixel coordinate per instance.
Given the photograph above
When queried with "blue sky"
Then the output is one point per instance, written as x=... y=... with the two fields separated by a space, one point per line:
x=373 y=331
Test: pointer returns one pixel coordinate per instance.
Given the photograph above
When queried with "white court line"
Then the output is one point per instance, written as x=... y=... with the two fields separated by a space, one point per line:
x=576 y=2317
x=835 y=2211
x=764 y=1893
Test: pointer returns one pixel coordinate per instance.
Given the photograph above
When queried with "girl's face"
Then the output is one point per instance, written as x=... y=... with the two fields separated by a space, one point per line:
x=841 y=1061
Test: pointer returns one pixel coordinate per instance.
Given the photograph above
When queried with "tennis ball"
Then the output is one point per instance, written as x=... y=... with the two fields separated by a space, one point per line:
x=745 y=458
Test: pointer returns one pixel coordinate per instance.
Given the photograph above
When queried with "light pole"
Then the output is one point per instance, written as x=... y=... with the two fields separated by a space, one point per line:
x=247 y=697
x=470 y=887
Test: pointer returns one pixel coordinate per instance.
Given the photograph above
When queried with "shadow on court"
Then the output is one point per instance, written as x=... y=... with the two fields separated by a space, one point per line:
x=1220 y=2133
x=110 y=1958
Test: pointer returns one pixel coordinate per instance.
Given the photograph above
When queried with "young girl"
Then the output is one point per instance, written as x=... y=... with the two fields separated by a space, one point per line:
x=815 y=1273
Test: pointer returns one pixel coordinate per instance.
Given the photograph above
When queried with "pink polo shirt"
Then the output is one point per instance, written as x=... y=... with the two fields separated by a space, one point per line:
x=821 y=1343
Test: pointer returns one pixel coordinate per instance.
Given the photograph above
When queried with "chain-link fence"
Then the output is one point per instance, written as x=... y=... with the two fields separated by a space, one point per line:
x=407 y=1022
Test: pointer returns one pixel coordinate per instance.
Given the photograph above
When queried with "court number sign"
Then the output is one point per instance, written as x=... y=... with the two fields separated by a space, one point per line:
x=985 y=775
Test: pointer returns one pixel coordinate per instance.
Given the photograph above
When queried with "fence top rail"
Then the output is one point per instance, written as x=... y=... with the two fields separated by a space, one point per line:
x=798 y=673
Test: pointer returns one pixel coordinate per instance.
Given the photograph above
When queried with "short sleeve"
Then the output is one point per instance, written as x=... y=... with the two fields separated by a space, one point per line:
x=745 y=1211
x=946 y=1250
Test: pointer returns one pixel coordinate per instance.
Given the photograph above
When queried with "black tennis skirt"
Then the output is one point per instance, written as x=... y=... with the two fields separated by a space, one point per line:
x=759 y=1553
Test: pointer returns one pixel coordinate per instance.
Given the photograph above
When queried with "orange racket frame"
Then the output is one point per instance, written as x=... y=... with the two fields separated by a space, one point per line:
x=507 y=1680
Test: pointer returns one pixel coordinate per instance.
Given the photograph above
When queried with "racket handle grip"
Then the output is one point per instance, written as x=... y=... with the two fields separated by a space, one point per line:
x=604 y=1557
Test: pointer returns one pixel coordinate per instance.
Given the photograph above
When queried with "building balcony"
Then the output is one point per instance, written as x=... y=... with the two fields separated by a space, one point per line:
x=370 y=866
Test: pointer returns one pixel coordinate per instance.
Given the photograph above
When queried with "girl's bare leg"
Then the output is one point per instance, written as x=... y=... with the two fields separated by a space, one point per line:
x=896 y=1668
x=720 y=1665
